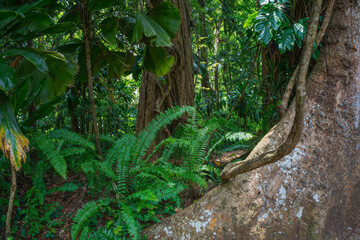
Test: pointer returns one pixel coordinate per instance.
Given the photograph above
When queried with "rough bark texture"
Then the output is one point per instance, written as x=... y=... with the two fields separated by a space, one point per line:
x=179 y=87
x=314 y=192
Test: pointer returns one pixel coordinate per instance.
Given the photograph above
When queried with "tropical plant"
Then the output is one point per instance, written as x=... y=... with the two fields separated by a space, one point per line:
x=140 y=182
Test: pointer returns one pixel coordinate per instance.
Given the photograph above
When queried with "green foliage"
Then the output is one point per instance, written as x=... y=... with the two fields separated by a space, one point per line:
x=160 y=25
x=271 y=23
x=38 y=217
x=87 y=211
x=141 y=185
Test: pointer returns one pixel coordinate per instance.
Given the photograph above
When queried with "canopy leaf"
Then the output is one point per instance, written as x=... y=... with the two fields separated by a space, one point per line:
x=13 y=142
x=109 y=28
x=157 y=60
x=159 y=26
x=7 y=75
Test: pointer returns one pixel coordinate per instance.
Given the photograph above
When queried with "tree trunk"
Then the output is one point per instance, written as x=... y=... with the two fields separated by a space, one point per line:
x=72 y=108
x=205 y=80
x=11 y=202
x=216 y=75
x=179 y=87
x=312 y=193
x=86 y=18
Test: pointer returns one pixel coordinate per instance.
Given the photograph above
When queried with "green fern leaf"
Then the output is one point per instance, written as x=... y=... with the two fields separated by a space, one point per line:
x=73 y=138
x=147 y=136
x=129 y=219
x=82 y=216
x=122 y=166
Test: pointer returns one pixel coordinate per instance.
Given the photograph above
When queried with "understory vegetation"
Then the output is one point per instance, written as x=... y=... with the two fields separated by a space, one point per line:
x=73 y=164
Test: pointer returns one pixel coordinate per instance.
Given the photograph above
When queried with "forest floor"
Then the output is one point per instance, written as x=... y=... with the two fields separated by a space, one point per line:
x=54 y=218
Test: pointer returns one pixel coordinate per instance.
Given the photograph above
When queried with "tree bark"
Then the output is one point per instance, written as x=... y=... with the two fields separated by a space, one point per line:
x=205 y=80
x=86 y=18
x=11 y=202
x=312 y=193
x=179 y=87
x=216 y=74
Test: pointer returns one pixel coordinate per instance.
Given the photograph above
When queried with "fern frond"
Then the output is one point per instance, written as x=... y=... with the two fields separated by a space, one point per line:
x=198 y=150
x=38 y=181
x=130 y=222
x=73 y=151
x=73 y=138
x=114 y=153
x=213 y=148
x=238 y=136
x=94 y=166
x=167 y=191
x=145 y=195
x=82 y=216
x=84 y=234
x=123 y=159
x=147 y=136
x=67 y=187
x=105 y=234
x=48 y=148
x=190 y=178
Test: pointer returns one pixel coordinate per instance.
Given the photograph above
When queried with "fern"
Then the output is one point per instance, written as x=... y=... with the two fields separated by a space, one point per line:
x=123 y=160
x=52 y=153
x=92 y=167
x=38 y=181
x=167 y=191
x=73 y=151
x=238 y=136
x=84 y=234
x=82 y=216
x=105 y=234
x=67 y=187
x=145 y=195
x=147 y=136
x=130 y=222
x=72 y=138
x=142 y=185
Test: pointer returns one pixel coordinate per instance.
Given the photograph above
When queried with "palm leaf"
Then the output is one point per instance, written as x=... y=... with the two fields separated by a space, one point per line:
x=13 y=142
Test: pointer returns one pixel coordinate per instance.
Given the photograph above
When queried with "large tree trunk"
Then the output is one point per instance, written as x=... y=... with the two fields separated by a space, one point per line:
x=314 y=192
x=179 y=87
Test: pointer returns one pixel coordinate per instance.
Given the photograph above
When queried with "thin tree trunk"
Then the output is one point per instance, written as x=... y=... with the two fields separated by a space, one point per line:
x=216 y=77
x=205 y=80
x=11 y=201
x=86 y=18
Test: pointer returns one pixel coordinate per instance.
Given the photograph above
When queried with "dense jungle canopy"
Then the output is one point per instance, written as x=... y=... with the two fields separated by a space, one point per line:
x=182 y=119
